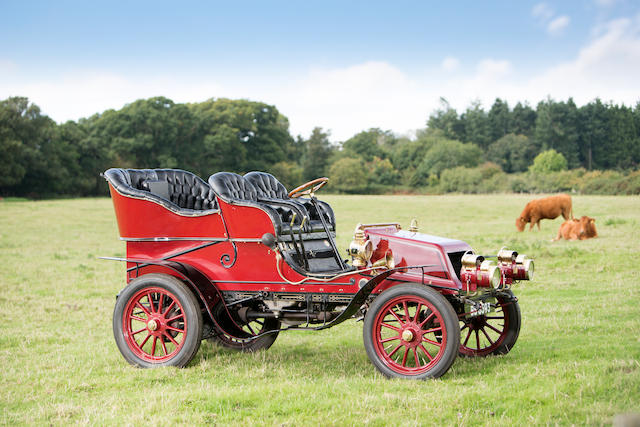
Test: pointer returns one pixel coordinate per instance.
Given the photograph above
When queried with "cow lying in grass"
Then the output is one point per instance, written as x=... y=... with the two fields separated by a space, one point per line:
x=545 y=208
x=577 y=229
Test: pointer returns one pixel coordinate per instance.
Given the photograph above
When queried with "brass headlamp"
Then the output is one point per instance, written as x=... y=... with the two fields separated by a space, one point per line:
x=360 y=248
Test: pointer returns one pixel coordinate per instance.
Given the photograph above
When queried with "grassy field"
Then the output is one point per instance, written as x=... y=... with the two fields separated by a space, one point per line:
x=577 y=360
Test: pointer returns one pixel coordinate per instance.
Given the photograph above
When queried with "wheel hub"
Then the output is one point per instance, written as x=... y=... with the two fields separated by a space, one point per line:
x=407 y=335
x=152 y=325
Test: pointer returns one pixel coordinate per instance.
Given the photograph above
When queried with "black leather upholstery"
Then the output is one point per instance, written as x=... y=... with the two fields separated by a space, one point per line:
x=188 y=193
x=267 y=185
x=231 y=186
x=273 y=192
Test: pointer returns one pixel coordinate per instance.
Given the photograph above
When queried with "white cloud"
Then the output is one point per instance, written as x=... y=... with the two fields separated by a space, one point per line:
x=542 y=11
x=350 y=99
x=450 y=64
x=557 y=25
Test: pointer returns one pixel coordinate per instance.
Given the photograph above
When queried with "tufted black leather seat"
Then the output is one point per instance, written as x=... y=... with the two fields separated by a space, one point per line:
x=273 y=192
x=177 y=190
x=234 y=188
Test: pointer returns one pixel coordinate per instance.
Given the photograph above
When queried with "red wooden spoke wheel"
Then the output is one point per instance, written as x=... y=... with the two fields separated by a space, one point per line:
x=308 y=187
x=411 y=332
x=157 y=321
x=494 y=333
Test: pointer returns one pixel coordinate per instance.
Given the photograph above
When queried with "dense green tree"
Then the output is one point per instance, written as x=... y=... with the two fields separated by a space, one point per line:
x=26 y=136
x=523 y=120
x=316 y=154
x=369 y=144
x=548 y=161
x=446 y=120
x=288 y=173
x=557 y=128
x=513 y=153
x=348 y=174
x=446 y=154
x=499 y=119
x=476 y=125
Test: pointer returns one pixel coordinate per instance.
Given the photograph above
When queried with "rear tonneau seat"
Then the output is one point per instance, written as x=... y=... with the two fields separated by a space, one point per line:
x=177 y=190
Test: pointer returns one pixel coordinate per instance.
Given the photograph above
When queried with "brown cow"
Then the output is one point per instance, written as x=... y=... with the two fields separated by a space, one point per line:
x=577 y=229
x=545 y=208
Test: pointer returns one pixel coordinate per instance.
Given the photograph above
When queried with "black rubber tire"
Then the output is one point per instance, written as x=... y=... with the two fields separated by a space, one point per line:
x=513 y=319
x=441 y=305
x=192 y=316
x=226 y=333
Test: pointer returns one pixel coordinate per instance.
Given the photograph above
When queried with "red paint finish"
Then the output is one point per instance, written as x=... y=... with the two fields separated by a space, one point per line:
x=139 y=218
x=418 y=249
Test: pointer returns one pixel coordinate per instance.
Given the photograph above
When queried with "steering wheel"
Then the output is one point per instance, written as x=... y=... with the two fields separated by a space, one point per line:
x=308 y=188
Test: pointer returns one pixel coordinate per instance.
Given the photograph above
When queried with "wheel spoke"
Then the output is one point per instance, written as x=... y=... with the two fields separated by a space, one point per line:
x=486 y=335
x=175 y=318
x=477 y=339
x=467 y=338
x=404 y=358
x=425 y=351
x=164 y=313
x=494 y=317
x=390 y=326
x=171 y=339
x=150 y=298
x=464 y=327
x=145 y=341
x=139 y=330
x=415 y=318
x=143 y=308
x=415 y=356
x=164 y=347
x=250 y=329
x=406 y=312
x=493 y=329
x=428 y=331
x=426 y=320
x=139 y=319
x=394 y=350
x=396 y=316
x=397 y=337
x=436 y=343
x=174 y=329
x=153 y=346
x=160 y=301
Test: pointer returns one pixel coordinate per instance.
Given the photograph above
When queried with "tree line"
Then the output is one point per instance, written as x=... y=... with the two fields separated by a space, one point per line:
x=42 y=158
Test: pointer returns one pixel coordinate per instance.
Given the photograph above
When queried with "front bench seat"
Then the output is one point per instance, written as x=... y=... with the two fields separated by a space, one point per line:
x=273 y=192
x=177 y=190
x=235 y=189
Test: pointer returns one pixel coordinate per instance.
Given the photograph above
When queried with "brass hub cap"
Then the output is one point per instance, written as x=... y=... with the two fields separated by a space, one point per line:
x=407 y=335
x=152 y=325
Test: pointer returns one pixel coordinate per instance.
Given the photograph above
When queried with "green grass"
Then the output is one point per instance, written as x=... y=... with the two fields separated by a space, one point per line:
x=577 y=360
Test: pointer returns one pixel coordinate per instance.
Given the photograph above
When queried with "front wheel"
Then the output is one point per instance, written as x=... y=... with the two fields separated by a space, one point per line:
x=157 y=322
x=411 y=331
x=494 y=333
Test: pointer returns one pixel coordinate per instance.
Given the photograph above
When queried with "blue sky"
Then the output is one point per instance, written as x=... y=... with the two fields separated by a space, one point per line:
x=345 y=66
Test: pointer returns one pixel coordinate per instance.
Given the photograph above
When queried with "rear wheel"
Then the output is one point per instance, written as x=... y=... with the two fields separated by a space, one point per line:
x=410 y=331
x=494 y=333
x=157 y=322
x=237 y=332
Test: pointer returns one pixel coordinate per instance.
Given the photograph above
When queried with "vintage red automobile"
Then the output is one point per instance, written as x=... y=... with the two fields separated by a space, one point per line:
x=238 y=260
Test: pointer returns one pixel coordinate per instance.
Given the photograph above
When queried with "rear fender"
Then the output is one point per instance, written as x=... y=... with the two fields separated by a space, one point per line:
x=200 y=285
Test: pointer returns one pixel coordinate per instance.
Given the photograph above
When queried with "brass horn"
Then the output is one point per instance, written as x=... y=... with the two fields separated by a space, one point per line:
x=385 y=262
